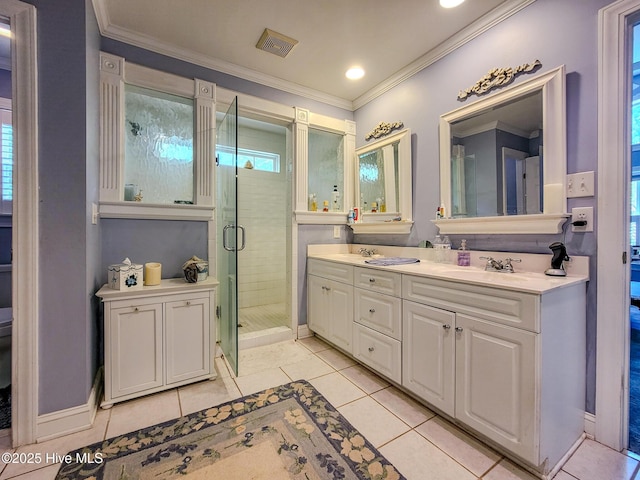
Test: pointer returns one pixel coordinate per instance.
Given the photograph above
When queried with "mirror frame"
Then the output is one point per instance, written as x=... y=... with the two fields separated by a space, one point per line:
x=383 y=222
x=552 y=85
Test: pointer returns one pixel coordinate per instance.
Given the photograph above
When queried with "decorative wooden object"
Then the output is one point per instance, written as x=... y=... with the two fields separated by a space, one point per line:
x=498 y=77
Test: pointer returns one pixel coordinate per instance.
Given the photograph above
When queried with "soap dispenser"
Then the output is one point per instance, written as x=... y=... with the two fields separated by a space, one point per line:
x=464 y=255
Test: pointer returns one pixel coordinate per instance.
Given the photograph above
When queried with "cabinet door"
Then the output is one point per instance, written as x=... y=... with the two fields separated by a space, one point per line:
x=428 y=353
x=135 y=349
x=187 y=339
x=495 y=383
x=318 y=305
x=341 y=315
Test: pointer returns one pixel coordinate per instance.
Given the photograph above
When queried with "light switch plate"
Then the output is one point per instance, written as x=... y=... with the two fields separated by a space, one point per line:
x=580 y=185
x=582 y=213
x=336 y=231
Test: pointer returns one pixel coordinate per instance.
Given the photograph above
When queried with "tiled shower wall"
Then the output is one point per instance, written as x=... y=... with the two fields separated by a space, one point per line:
x=263 y=210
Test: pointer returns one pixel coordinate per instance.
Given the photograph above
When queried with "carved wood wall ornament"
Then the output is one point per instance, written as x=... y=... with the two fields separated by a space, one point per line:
x=383 y=129
x=498 y=77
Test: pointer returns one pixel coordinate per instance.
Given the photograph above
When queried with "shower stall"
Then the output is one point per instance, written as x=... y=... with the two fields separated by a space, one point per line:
x=264 y=203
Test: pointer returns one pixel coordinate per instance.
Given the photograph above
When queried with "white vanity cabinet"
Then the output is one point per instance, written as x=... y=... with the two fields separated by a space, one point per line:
x=157 y=338
x=507 y=364
x=330 y=302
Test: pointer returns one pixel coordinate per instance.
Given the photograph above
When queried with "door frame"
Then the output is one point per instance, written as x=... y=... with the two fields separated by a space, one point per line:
x=613 y=276
x=25 y=290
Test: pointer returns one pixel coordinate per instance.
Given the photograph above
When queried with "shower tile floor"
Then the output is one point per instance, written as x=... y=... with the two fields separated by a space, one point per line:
x=420 y=443
x=262 y=317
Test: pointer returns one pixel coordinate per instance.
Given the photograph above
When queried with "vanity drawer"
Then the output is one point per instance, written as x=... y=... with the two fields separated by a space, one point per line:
x=380 y=312
x=331 y=270
x=378 y=351
x=389 y=283
x=507 y=307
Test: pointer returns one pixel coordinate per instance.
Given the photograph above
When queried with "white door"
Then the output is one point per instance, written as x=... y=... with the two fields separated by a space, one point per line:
x=341 y=315
x=428 y=354
x=495 y=383
x=318 y=305
x=187 y=339
x=135 y=349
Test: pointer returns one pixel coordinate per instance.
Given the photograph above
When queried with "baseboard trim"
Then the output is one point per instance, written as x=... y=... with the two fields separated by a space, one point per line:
x=590 y=425
x=304 y=332
x=71 y=420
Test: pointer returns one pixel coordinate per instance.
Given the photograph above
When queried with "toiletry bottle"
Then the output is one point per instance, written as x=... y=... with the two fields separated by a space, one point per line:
x=464 y=256
x=335 y=199
x=325 y=206
x=314 y=203
x=441 y=209
x=438 y=217
x=351 y=216
x=383 y=206
x=374 y=207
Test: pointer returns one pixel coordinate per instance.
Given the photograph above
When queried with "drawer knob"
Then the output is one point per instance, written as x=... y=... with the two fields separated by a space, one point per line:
x=372 y=280
x=371 y=349
x=188 y=303
x=372 y=310
x=459 y=329
x=446 y=326
x=136 y=309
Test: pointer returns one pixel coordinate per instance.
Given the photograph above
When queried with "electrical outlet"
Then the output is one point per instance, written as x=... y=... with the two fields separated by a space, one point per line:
x=94 y=214
x=336 y=231
x=580 y=185
x=582 y=213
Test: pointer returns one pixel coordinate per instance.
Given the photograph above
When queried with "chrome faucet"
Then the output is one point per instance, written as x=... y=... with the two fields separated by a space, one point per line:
x=494 y=265
x=367 y=253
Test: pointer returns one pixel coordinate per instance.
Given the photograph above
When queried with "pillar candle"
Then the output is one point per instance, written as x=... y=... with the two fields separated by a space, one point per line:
x=152 y=273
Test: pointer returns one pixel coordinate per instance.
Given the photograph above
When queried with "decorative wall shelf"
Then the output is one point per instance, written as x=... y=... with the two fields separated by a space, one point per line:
x=509 y=224
x=386 y=228
x=150 y=211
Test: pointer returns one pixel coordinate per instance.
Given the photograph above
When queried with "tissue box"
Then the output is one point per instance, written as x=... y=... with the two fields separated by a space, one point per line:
x=125 y=276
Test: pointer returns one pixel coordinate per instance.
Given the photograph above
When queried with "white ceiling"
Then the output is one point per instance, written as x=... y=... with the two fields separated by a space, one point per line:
x=390 y=39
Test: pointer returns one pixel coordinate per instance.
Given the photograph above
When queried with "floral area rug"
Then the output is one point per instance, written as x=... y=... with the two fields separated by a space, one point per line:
x=286 y=433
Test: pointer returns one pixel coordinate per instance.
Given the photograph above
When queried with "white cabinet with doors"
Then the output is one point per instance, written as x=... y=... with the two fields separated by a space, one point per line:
x=158 y=337
x=507 y=364
x=330 y=302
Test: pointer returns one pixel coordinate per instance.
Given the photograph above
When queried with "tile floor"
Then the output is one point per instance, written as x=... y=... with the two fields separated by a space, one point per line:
x=422 y=445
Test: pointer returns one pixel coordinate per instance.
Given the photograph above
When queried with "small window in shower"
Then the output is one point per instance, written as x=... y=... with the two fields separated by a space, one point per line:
x=158 y=166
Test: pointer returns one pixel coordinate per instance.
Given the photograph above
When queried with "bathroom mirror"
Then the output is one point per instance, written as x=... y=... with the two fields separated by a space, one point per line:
x=503 y=160
x=383 y=186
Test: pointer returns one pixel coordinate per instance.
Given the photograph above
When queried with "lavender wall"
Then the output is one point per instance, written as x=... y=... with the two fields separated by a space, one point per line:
x=554 y=32
x=67 y=104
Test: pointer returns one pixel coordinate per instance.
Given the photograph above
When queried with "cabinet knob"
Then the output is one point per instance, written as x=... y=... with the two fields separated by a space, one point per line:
x=372 y=280
x=372 y=310
x=446 y=326
x=136 y=309
x=459 y=329
x=188 y=303
x=371 y=349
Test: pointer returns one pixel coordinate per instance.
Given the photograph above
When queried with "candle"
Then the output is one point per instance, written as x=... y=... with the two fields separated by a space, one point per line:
x=152 y=273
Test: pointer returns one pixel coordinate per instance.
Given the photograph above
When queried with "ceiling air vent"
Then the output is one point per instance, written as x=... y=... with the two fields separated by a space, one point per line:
x=276 y=43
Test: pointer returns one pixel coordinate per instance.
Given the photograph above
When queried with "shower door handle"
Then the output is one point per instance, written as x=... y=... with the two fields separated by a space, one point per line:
x=225 y=237
x=244 y=236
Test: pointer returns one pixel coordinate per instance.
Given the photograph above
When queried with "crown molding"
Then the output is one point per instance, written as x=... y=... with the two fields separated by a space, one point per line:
x=478 y=27
x=461 y=38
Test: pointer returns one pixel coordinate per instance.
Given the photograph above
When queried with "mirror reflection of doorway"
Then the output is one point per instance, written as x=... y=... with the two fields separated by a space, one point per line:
x=520 y=182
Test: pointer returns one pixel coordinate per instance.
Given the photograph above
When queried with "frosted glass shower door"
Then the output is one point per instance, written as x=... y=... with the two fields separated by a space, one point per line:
x=228 y=235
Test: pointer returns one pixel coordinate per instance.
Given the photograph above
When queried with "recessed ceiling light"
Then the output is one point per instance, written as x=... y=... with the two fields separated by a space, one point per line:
x=354 y=73
x=450 y=3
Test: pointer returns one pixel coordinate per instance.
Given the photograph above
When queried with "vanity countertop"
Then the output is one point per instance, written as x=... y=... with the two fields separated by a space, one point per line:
x=529 y=278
